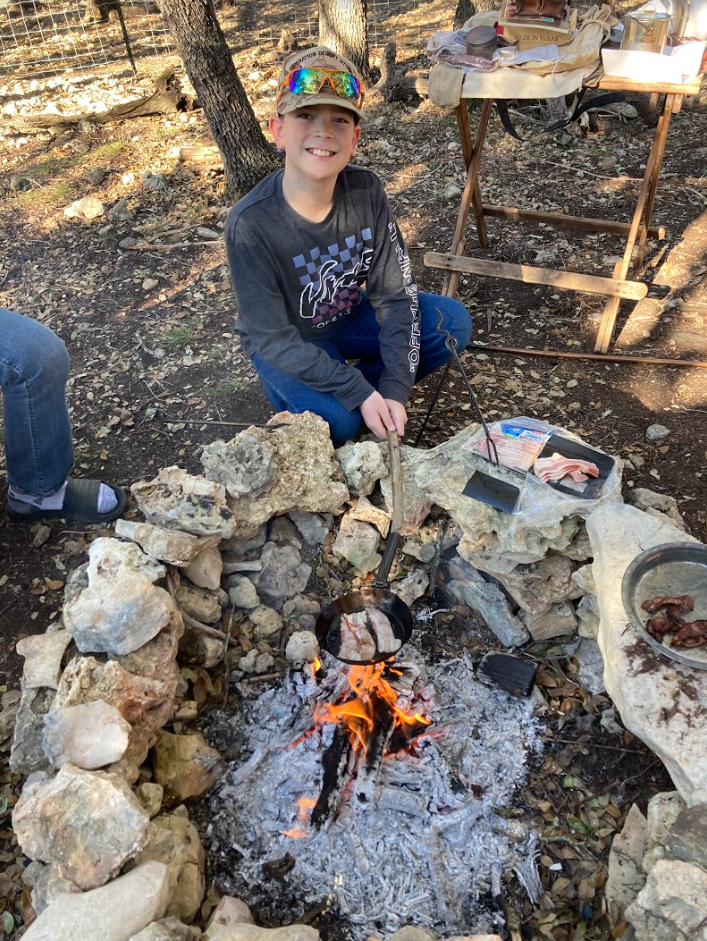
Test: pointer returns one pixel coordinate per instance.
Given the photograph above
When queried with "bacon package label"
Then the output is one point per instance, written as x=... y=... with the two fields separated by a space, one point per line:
x=518 y=446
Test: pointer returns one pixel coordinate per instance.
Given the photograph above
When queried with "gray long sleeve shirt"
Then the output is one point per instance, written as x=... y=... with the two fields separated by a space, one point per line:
x=295 y=279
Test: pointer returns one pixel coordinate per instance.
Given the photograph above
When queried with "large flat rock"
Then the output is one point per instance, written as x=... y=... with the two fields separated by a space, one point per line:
x=661 y=701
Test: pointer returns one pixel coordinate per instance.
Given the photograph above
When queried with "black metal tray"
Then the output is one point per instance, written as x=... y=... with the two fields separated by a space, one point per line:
x=573 y=449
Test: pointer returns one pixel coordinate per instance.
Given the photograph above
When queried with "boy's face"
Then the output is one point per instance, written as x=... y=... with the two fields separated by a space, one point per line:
x=318 y=140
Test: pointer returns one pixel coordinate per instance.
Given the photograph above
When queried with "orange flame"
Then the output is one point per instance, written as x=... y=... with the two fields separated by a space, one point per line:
x=305 y=806
x=357 y=714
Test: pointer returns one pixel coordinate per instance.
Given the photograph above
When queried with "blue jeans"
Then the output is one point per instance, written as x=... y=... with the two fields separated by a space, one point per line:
x=356 y=338
x=34 y=367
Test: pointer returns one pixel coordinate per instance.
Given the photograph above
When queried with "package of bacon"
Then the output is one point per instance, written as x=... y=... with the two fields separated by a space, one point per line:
x=572 y=467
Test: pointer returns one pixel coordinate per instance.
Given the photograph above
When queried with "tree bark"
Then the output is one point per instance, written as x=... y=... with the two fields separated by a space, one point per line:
x=247 y=157
x=343 y=26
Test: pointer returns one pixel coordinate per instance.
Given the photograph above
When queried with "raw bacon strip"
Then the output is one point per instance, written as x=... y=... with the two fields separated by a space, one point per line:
x=356 y=640
x=552 y=469
x=386 y=640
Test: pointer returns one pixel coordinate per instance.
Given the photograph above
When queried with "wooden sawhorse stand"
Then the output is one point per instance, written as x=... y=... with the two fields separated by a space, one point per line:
x=617 y=287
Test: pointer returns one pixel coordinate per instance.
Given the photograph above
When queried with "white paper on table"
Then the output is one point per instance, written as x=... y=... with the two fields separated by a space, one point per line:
x=536 y=54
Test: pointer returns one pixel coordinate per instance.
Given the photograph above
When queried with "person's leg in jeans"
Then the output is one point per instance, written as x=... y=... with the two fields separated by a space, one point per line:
x=39 y=454
x=34 y=368
x=357 y=337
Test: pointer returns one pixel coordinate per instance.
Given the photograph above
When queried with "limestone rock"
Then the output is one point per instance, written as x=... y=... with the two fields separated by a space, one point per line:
x=246 y=466
x=87 y=822
x=411 y=933
x=313 y=527
x=412 y=587
x=660 y=505
x=177 y=500
x=198 y=603
x=43 y=654
x=626 y=876
x=687 y=839
x=268 y=624
x=366 y=512
x=672 y=906
x=362 y=463
x=534 y=586
x=663 y=811
x=283 y=574
x=659 y=700
x=150 y=796
x=229 y=911
x=468 y=586
x=88 y=208
x=590 y=665
x=256 y=662
x=555 y=621
x=167 y=545
x=302 y=647
x=284 y=532
x=657 y=432
x=242 y=592
x=185 y=766
x=167 y=929
x=201 y=649
x=358 y=543
x=114 y=912
x=90 y=735
x=241 y=547
x=146 y=702
x=47 y=883
x=245 y=932
x=206 y=569
x=301 y=606
x=173 y=840
x=27 y=755
x=308 y=476
x=120 y=609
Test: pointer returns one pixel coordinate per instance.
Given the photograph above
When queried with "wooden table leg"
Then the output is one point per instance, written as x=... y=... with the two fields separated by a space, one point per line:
x=648 y=188
x=671 y=107
x=468 y=151
x=471 y=195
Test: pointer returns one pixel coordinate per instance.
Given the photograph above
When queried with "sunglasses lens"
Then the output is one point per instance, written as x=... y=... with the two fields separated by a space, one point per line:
x=311 y=81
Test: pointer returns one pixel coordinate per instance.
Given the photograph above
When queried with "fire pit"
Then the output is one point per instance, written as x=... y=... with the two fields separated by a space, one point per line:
x=380 y=791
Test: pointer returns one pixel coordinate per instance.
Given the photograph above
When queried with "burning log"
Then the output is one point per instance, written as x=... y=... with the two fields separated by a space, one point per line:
x=335 y=762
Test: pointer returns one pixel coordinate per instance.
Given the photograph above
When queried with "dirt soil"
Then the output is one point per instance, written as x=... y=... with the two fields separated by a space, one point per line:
x=157 y=374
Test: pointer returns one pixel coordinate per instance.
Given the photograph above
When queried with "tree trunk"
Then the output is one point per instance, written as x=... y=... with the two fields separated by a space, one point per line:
x=247 y=158
x=343 y=26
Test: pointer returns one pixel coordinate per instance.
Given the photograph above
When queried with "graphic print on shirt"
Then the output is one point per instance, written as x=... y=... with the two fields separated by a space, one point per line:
x=331 y=278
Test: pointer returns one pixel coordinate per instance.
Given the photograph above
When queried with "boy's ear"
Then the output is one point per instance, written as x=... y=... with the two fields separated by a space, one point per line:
x=275 y=125
x=357 y=138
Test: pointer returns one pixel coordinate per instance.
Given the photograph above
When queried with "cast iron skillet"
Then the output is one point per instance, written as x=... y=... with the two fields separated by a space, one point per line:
x=379 y=595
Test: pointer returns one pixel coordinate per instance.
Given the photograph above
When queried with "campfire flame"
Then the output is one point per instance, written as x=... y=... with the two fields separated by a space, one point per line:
x=358 y=715
x=306 y=804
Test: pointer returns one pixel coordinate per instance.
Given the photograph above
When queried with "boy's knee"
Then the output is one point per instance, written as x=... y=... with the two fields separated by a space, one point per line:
x=345 y=426
x=54 y=357
x=459 y=323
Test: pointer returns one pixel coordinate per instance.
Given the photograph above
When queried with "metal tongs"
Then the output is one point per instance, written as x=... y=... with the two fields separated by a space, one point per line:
x=483 y=487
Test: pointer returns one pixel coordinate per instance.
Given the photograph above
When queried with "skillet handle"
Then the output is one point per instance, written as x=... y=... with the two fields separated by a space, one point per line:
x=381 y=579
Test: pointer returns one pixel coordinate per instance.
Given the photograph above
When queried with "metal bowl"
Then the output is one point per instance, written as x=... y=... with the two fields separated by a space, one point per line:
x=678 y=568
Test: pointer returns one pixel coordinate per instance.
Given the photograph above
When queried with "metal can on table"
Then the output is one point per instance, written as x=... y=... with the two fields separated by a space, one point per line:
x=481 y=41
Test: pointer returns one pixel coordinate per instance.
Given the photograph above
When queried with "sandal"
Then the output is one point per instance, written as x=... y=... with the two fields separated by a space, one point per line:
x=80 y=504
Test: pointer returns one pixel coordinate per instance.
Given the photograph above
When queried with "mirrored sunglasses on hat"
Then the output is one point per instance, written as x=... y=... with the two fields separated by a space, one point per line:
x=310 y=81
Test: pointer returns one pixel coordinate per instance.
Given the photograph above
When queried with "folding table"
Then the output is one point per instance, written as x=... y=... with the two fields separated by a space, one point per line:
x=615 y=288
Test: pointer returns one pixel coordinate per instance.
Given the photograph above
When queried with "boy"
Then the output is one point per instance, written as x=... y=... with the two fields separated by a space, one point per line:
x=302 y=244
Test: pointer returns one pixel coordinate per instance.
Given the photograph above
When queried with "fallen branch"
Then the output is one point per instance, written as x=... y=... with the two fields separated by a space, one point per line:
x=166 y=98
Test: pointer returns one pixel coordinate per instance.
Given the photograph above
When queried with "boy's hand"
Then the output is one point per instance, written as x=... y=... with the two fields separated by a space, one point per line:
x=399 y=414
x=383 y=415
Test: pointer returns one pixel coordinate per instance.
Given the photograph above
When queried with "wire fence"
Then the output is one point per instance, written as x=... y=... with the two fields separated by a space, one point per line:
x=52 y=37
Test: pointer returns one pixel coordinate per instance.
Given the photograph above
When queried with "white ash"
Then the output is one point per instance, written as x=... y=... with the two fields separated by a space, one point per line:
x=433 y=845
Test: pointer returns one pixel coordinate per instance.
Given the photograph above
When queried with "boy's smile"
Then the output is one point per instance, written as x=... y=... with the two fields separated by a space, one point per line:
x=318 y=140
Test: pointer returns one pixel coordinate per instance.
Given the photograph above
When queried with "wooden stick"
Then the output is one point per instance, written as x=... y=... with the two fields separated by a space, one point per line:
x=565 y=280
x=595 y=357
x=571 y=222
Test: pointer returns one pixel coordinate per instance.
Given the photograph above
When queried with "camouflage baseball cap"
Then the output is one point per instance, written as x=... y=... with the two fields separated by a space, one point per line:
x=317 y=57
